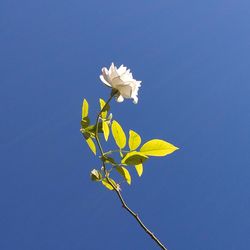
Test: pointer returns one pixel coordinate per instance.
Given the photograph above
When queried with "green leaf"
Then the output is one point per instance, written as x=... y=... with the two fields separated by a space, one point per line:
x=118 y=134
x=95 y=175
x=157 y=147
x=134 y=158
x=91 y=145
x=85 y=122
x=85 y=109
x=106 y=109
x=125 y=173
x=109 y=160
x=92 y=128
x=139 y=169
x=86 y=135
x=134 y=140
x=108 y=185
x=105 y=129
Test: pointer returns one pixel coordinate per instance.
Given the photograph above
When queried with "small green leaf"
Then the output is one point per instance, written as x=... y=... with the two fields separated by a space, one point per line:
x=105 y=110
x=92 y=128
x=118 y=134
x=91 y=145
x=134 y=158
x=134 y=140
x=95 y=175
x=85 y=109
x=139 y=169
x=125 y=173
x=108 y=185
x=85 y=122
x=86 y=135
x=109 y=160
x=157 y=147
x=105 y=129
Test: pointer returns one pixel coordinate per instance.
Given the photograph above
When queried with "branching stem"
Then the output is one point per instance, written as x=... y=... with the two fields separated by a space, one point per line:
x=115 y=151
x=124 y=204
x=96 y=128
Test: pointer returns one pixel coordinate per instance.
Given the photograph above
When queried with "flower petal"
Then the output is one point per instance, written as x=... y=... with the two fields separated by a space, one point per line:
x=119 y=98
x=105 y=74
x=122 y=70
x=104 y=81
x=117 y=82
x=125 y=91
x=112 y=72
x=135 y=99
x=127 y=77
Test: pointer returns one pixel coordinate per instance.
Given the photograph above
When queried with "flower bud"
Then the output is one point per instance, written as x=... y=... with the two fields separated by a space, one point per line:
x=95 y=175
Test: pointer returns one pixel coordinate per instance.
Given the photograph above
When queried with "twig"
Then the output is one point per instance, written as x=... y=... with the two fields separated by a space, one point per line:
x=136 y=216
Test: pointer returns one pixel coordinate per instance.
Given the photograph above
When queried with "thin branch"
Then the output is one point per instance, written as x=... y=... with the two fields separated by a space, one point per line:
x=115 y=151
x=136 y=216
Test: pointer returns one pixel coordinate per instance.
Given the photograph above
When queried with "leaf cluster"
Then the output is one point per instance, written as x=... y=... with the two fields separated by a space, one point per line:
x=128 y=151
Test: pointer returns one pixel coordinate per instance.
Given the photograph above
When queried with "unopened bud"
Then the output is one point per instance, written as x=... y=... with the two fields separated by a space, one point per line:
x=95 y=175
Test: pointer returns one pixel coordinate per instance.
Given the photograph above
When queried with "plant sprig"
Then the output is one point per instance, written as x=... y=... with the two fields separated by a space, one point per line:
x=129 y=150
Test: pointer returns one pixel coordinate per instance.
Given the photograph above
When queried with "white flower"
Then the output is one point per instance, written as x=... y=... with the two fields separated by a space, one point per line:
x=122 y=80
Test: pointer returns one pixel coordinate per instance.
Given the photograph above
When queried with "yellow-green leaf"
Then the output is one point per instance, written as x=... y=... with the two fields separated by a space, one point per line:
x=85 y=109
x=134 y=158
x=157 y=147
x=139 y=169
x=108 y=159
x=86 y=134
x=108 y=185
x=92 y=128
x=118 y=134
x=125 y=173
x=106 y=109
x=91 y=145
x=85 y=122
x=134 y=140
x=105 y=129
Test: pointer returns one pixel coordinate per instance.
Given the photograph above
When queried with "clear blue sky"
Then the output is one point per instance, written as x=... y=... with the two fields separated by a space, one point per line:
x=193 y=58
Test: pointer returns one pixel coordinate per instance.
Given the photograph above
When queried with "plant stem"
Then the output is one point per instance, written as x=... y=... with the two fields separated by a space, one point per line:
x=115 y=151
x=124 y=204
x=96 y=128
x=136 y=216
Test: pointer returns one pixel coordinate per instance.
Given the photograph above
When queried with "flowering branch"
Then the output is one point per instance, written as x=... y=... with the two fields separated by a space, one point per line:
x=123 y=86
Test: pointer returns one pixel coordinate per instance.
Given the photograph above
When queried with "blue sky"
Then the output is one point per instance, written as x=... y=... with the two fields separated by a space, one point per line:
x=193 y=58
